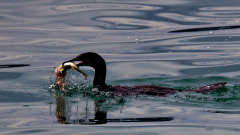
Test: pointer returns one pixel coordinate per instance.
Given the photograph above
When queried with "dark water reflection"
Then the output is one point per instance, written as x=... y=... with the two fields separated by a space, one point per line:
x=94 y=111
x=174 y=43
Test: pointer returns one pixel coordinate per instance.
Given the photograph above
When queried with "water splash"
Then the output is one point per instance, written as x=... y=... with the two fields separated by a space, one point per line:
x=73 y=81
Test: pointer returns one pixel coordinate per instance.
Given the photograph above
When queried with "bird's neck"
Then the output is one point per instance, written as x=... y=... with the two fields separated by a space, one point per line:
x=100 y=76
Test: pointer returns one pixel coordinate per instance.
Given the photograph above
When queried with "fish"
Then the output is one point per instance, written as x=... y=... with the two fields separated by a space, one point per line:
x=62 y=68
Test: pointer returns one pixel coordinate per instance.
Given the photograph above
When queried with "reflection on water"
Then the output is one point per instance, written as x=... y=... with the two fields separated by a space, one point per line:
x=207 y=29
x=13 y=65
x=98 y=117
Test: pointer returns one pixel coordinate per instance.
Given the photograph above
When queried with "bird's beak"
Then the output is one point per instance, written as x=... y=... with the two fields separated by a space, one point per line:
x=73 y=66
x=76 y=68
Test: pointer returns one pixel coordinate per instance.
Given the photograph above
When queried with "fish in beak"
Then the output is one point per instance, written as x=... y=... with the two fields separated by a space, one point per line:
x=62 y=68
x=61 y=72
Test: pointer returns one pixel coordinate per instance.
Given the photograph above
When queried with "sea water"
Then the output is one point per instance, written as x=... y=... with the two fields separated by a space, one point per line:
x=182 y=44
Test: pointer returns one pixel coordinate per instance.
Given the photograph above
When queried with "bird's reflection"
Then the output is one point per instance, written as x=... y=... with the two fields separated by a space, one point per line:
x=90 y=109
x=61 y=109
x=91 y=112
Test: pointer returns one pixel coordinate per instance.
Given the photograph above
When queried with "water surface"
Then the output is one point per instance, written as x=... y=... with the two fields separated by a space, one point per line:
x=181 y=44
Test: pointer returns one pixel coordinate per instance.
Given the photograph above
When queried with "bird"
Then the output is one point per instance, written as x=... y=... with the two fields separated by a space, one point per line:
x=95 y=61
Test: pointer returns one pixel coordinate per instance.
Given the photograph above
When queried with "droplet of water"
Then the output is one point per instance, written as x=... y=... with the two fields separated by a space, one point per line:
x=210 y=32
x=208 y=47
x=136 y=39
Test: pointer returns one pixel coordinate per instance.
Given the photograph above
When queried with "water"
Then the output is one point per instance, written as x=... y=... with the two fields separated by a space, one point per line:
x=180 y=44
